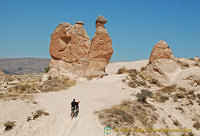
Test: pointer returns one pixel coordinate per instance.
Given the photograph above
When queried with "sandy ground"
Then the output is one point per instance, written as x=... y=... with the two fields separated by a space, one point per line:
x=93 y=95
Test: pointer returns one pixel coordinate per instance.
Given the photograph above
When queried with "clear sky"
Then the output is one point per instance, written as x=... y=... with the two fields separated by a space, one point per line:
x=134 y=25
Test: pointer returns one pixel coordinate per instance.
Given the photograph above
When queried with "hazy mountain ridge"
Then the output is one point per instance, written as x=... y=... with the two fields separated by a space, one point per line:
x=23 y=65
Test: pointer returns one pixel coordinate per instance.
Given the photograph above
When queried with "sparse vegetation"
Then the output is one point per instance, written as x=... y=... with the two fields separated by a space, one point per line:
x=169 y=89
x=176 y=123
x=9 y=125
x=26 y=90
x=56 y=84
x=47 y=69
x=132 y=84
x=143 y=95
x=29 y=118
x=122 y=70
x=128 y=114
x=39 y=113
x=164 y=98
x=179 y=95
x=160 y=97
x=143 y=69
x=180 y=108
x=187 y=134
x=154 y=81
x=123 y=80
x=197 y=125
x=132 y=71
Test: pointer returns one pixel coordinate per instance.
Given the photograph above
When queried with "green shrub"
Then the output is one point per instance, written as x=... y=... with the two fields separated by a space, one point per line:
x=47 y=69
x=143 y=95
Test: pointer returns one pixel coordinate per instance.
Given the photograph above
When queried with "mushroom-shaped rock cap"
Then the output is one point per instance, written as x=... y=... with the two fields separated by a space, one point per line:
x=101 y=19
x=79 y=23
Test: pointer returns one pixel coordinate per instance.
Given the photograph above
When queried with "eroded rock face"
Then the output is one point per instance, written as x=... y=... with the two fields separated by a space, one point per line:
x=101 y=47
x=69 y=43
x=74 y=55
x=162 y=64
x=163 y=70
x=161 y=51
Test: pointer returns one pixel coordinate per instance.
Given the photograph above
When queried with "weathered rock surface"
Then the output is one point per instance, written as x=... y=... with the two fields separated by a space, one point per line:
x=162 y=64
x=69 y=43
x=168 y=70
x=161 y=51
x=101 y=47
x=163 y=70
x=74 y=55
x=6 y=79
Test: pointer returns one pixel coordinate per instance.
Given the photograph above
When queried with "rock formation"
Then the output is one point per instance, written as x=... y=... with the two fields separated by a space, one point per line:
x=6 y=79
x=161 y=51
x=74 y=55
x=196 y=59
x=162 y=63
x=101 y=47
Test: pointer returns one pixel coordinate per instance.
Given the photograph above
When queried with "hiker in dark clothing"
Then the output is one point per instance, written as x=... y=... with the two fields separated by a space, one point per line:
x=73 y=104
x=77 y=107
x=74 y=108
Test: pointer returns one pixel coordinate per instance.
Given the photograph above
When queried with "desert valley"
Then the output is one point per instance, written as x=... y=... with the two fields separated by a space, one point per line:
x=154 y=97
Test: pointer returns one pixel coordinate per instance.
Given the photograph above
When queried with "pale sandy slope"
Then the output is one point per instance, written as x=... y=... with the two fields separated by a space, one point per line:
x=94 y=95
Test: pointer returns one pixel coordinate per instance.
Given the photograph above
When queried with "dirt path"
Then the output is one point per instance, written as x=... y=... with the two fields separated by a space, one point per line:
x=94 y=95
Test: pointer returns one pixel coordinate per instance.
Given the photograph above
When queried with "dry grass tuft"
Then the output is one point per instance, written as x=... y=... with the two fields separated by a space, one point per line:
x=122 y=70
x=37 y=114
x=176 y=123
x=128 y=114
x=169 y=89
x=197 y=125
x=56 y=84
x=9 y=125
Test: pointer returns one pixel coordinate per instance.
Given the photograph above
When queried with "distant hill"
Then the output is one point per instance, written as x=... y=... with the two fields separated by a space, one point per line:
x=23 y=65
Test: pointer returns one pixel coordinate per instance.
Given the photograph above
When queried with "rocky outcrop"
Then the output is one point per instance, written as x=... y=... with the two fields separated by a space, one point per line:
x=161 y=51
x=74 y=55
x=101 y=47
x=6 y=80
x=163 y=70
x=196 y=59
x=69 y=43
x=162 y=64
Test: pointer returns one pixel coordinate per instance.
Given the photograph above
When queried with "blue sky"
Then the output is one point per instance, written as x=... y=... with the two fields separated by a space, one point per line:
x=134 y=25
